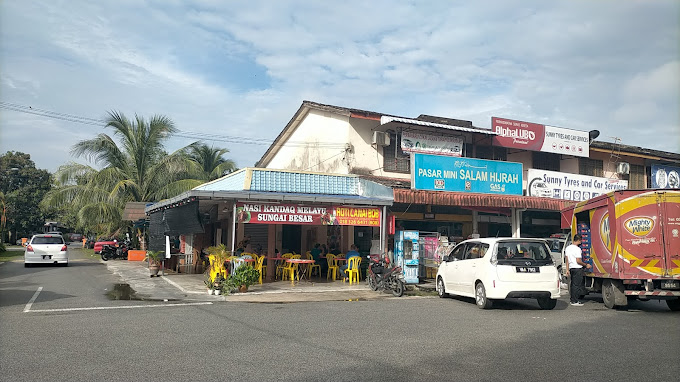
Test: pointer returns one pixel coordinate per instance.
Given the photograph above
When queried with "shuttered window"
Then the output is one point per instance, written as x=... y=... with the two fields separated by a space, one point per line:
x=394 y=159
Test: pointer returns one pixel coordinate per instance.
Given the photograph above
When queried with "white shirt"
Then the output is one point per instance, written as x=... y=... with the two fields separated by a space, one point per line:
x=573 y=252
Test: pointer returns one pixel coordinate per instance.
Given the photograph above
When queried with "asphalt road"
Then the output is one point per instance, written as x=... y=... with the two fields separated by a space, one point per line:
x=72 y=331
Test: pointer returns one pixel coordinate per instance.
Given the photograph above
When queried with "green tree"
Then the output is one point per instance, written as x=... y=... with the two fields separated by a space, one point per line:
x=135 y=169
x=207 y=163
x=22 y=187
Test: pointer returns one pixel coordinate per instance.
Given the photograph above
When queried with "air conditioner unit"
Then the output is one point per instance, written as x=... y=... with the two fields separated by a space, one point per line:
x=381 y=138
x=623 y=168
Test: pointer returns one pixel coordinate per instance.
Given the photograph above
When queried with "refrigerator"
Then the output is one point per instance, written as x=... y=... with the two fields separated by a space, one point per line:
x=406 y=254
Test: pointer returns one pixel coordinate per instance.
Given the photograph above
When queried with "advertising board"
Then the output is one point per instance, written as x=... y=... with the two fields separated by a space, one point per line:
x=442 y=173
x=265 y=213
x=414 y=142
x=562 y=185
x=537 y=137
x=665 y=177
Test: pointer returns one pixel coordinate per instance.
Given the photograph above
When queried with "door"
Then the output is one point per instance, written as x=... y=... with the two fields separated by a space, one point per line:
x=670 y=218
x=450 y=268
x=470 y=267
x=640 y=226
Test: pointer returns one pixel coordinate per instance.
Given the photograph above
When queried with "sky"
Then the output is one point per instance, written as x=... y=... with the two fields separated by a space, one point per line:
x=241 y=69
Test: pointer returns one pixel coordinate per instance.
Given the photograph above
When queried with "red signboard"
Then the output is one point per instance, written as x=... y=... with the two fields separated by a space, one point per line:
x=517 y=134
x=537 y=137
x=263 y=213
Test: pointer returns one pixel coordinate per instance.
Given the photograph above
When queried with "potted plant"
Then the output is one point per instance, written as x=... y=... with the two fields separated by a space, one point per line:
x=243 y=277
x=218 y=283
x=208 y=284
x=154 y=258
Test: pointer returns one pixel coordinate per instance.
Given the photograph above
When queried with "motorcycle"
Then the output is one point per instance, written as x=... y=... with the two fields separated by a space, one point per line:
x=382 y=276
x=110 y=252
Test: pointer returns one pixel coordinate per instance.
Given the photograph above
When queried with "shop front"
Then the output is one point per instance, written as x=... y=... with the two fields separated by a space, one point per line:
x=272 y=212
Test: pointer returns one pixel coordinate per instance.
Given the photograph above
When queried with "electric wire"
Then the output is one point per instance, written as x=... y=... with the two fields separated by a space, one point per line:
x=180 y=133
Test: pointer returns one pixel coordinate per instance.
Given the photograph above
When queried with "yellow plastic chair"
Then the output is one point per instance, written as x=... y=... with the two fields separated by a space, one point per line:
x=312 y=267
x=353 y=269
x=290 y=270
x=260 y=267
x=332 y=267
x=282 y=264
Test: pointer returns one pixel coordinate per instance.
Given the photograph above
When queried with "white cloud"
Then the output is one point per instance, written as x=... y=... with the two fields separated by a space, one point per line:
x=243 y=68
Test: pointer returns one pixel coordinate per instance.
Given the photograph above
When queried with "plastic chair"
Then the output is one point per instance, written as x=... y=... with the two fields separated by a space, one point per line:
x=260 y=267
x=353 y=269
x=282 y=264
x=290 y=270
x=311 y=267
x=332 y=267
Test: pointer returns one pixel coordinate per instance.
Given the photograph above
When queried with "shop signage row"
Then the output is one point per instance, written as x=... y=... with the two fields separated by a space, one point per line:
x=265 y=213
x=665 y=176
x=537 y=137
x=442 y=173
x=561 y=185
x=413 y=142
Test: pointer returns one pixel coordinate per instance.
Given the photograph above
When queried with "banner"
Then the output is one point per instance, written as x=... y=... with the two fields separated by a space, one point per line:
x=440 y=173
x=412 y=142
x=562 y=185
x=537 y=137
x=665 y=177
x=264 y=213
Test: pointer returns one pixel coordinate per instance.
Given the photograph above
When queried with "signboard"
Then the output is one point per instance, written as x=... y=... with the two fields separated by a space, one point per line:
x=562 y=185
x=412 y=142
x=665 y=177
x=264 y=213
x=536 y=137
x=441 y=173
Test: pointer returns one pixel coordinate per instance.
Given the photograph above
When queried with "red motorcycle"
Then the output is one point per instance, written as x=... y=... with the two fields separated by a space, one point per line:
x=382 y=276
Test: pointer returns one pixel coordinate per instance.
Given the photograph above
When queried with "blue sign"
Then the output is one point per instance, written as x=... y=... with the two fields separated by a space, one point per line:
x=665 y=177
x=442 y=173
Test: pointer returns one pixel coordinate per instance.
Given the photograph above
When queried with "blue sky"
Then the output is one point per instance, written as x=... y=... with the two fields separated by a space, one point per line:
x=242 y=68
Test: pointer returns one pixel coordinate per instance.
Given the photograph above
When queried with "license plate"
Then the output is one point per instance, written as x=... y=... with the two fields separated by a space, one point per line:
x=670 y=285
x=527 y=269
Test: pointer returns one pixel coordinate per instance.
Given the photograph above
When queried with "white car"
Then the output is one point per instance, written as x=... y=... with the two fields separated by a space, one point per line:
x=498 y=268
x=46 y=249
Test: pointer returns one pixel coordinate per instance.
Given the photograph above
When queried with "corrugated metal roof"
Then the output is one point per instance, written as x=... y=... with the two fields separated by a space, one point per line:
x=387 y=119
x=444 y=198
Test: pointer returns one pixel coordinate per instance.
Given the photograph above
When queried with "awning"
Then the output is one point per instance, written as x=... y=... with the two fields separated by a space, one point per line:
x=443 y=198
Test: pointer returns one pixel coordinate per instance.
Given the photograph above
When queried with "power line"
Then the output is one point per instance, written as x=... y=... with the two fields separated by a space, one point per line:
x=180 y=133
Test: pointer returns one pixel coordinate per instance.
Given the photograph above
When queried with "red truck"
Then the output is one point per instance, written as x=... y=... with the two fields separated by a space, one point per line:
x=632 y=240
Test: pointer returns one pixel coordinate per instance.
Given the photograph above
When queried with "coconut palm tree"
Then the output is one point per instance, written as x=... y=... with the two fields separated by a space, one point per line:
x=137 y=169
x=209 y=161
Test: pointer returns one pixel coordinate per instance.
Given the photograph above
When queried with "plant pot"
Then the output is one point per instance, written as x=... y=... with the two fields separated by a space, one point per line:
x=210 y=292
x=153 y=269
x=218 y=292
x=242 y=289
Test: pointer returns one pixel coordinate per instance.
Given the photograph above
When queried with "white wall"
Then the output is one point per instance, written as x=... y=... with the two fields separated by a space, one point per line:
x=307 y=147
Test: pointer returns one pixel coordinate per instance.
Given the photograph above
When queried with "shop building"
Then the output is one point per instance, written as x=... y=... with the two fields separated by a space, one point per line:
x=552 y=167
x=288 y=211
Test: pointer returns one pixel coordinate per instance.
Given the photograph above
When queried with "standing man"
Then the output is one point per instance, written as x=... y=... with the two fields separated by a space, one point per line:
x=576 y=268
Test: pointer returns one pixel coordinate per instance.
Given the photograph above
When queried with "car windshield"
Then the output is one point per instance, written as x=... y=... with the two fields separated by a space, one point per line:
x=510 y=252
x=48 y=240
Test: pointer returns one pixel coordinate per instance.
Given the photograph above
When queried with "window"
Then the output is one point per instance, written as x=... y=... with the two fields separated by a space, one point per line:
x=492 y=153
x=636 y=180
x=48 y=240
x=394 y=159
x=545 y=161
x=592 y=167
x=476 y=250
x=458 y=253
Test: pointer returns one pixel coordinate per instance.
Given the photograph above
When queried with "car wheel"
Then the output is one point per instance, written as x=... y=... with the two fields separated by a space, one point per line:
x=674 y=305
x=480 y=297
x=547 y=303
x=440 y=288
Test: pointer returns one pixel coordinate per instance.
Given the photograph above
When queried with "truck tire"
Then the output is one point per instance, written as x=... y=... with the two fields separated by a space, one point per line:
x=674 y=305
x=612 y=294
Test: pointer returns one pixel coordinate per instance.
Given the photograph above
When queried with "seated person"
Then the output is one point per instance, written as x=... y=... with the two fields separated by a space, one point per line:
x=354 y=251
x=474 y=253
x=502 y=253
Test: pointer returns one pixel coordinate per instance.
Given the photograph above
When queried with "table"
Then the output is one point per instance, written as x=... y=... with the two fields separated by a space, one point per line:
x=238 y=261
x=302 y=274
